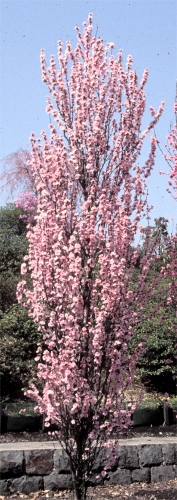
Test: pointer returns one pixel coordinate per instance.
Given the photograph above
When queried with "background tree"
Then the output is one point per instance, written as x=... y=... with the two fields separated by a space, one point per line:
x=16 y=173
x=157 y=365
x=18 y=333
x=91 y=197
x=18 y=344
x=13 y=246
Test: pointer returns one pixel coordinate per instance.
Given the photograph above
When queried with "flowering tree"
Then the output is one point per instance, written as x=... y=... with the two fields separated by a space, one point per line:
x=16 y=172
x=91 y=198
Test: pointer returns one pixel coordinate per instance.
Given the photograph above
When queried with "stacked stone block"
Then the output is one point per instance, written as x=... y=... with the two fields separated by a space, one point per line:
x=48 y=469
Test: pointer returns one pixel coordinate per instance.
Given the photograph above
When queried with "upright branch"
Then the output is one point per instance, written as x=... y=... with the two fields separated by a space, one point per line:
x=171 y=159
x=91 y=198
x=171 y=155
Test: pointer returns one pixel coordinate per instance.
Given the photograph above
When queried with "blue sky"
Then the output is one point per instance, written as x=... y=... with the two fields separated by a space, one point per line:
x=144 y=28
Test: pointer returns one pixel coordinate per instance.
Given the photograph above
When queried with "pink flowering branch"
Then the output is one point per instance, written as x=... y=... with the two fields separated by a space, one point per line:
x=28 y=202
x=171 y=158
x=171 y=269
x=171 y=155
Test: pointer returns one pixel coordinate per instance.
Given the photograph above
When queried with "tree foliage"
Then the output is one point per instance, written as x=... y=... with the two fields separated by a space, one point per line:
x=13 y=246
x=18 y=344
x=18 y=334
x=157 y=365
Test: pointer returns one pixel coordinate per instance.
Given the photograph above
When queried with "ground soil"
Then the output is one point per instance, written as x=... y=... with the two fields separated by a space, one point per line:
x=135 y=491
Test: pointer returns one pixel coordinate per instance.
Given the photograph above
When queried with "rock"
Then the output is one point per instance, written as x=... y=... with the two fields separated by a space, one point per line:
x=57 y=482
x=101 y=460
x=120 y=476
x=150 y=455
x=26 y=484
x=163 y=473
x=4 y=487
x=94 y=480
x=38 y=463
x=128 y=457
x=141 y=475
x=169 y=451
x=11 y=464
x=61 y=462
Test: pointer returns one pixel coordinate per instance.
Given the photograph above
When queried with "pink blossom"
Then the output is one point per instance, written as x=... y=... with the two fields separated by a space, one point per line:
x=27 y=201
x=23 y=268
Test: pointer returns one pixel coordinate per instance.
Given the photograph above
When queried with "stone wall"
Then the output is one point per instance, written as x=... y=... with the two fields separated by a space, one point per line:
x=29 y=470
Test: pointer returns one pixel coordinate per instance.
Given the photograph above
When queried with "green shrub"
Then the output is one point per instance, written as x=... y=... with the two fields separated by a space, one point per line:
x=18 y=343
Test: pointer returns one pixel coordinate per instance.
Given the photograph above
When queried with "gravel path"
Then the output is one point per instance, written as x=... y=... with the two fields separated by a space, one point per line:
x=133 y=432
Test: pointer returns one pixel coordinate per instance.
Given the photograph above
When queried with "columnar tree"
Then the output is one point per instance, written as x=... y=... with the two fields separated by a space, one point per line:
x=91 y=198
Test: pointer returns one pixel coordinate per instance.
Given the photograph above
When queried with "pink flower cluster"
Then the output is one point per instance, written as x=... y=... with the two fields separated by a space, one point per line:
x=27 y=201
